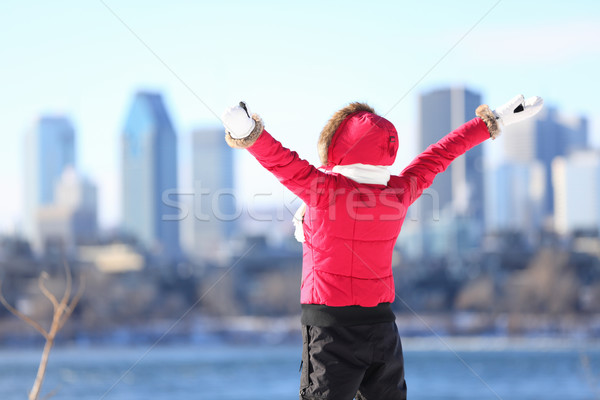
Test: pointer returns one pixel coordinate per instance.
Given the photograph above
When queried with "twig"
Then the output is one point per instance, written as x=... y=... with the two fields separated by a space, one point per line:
x=61 y=312
x=22 y=316
x=67 y=294
x=52 y=393
x=46 y=292
x=74 y=301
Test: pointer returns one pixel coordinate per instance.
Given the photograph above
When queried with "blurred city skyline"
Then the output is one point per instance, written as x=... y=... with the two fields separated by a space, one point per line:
x=294 y=66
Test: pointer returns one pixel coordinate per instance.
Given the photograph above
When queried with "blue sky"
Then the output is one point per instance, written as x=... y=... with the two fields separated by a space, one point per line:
x=294 y=63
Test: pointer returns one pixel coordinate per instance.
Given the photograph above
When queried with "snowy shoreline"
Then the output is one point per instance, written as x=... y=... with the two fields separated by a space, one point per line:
x=464 y=331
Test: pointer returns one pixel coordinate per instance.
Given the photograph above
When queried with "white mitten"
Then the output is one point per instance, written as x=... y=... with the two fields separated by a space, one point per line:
x=238 y=121
x=518 y=109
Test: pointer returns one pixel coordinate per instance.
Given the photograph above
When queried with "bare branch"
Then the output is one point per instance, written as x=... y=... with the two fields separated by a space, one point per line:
x=20 y=315
x=62 y=312
x=74 y=302
x=46 y=292
x=52 y=393
x=69 y=277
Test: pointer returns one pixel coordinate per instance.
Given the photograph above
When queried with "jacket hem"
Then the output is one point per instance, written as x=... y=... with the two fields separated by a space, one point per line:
x=322 y=315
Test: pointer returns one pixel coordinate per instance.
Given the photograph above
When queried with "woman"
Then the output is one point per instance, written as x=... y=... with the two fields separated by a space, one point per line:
x=354 y=209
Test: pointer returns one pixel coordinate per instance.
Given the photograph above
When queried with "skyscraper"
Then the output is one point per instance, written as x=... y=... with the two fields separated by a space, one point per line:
x=149 y=181
x=576 y=180
x=448 y=219
x=72 y=218
x=516 y=192
x=544 y=138
x=49 y=149
x=459 y=189
x=215 y=213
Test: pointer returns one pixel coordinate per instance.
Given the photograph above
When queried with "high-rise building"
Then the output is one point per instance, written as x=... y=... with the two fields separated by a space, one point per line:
x=150 y=208
x=515 y=194
x=460 y=188
x=49 y=150
x=72 y=218
x=215 y=212
x=576 y=180
x=543 y=138
x=448 y=219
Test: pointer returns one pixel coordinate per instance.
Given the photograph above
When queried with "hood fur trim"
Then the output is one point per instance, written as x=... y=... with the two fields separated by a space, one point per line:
x=334 y=123
x=249 y=140
x=484 y=112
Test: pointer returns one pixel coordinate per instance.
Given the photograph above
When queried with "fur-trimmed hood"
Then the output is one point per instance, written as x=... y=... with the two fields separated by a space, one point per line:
x=355 y=134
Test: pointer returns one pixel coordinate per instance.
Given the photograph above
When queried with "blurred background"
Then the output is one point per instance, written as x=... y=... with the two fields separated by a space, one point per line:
x=113 y=159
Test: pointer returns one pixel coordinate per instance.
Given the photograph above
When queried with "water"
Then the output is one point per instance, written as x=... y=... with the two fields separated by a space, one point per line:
x=266 y=372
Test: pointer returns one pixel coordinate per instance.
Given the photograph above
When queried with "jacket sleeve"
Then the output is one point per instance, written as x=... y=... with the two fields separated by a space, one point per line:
x=298 y=175
x=420 y=173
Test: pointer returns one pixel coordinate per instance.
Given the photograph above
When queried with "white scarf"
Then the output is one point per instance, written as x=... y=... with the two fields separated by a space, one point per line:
x=361 y=173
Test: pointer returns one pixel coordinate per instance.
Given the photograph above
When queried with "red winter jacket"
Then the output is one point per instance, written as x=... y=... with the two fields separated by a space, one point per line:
x=350 y=228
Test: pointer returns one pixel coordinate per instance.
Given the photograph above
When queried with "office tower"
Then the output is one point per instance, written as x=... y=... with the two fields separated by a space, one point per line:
x=215 y=213
x=448 y=219
x=458 y=190
x=49 y=149
x=72 y=218
x=543 y=138
x=576 y=181
x=514 y=197
x=149 y=177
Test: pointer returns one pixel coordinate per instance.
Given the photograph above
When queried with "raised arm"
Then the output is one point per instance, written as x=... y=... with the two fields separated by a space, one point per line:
x=298 y=175
x=420 y=173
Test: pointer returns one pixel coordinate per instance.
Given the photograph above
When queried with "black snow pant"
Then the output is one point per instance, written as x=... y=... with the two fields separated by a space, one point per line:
x=346 y=362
